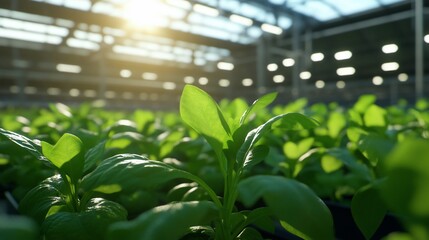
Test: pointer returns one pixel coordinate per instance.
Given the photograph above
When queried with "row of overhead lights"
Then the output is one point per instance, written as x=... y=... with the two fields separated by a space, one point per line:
x=89 y=93
x=246 y=82
x=376 y=80
x=339 y=56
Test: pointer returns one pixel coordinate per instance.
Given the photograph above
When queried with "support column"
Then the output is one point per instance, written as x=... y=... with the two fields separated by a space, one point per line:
x=296 y=38
x=261 y=66
x=418 y=7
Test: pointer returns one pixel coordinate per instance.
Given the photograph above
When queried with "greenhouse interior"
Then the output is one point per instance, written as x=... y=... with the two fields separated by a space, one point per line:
x=214 y=119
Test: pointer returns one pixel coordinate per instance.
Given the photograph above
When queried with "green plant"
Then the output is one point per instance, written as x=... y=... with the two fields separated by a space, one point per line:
x=297 y=208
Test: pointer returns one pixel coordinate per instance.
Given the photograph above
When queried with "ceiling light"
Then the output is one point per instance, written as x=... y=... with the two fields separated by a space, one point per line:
x=278 y=78
x=241 y=20
x=288 y=62
x=225 y=66
x=346 y=71
x=341 y=84
x=189 y=79
x=68 y=68
x=390 y=66
x=125 y=73
x=247 y=82
x=403 y=77
x=343 y=55
x=272 y=67
x=320 y=84
x=74 y=92
x=305 y=75
x=203 y=80
x=169 y=85
x=206 y=10
x=90 y=93
x=377 y=80
x=53 y=91
x=271 y=29
x=390 y=48
x=317 y=57
x=224 y=82
x=426 y=38
x=149 y=76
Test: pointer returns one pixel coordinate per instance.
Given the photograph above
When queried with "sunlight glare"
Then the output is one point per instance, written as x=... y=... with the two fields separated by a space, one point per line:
x=145 y=14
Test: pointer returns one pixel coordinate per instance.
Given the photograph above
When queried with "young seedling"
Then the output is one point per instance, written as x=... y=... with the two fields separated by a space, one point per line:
x=292 y=203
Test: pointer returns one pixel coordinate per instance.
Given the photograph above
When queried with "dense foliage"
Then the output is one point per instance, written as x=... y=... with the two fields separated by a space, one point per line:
x=214 y=171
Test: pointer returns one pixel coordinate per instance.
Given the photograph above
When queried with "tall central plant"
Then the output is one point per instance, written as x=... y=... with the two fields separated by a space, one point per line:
x=296 y=206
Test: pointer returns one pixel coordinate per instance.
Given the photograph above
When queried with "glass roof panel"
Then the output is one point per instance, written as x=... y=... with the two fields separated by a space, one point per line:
x=317 y=9
x=346 y=7
x=386 y=2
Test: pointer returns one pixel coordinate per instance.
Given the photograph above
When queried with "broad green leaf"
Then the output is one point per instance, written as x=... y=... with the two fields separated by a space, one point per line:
x=89 y=224
x=399 y=236
x=291 y=202
x=368 y=210
x=129 y=172
x=171 y=221
x=336 y=124
x=355 y=117
x=18 y=228
x=375 y=147
x=330 y=163
x=355 y=134
x=202 y=113
x=93 y=156
x=257 y=105
x=375 y=116
x=63 y=155
x=33 y=147
x=255 y=156
x=364 y=102
x=350 y=161
x=288 y=121
x=123 y=139
x=41 y=198
x=295 y=150
x=406 y=189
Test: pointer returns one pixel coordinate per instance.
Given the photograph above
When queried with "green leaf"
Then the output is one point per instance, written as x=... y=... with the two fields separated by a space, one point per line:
x=91 y=223
x=17 y=228
x=255 y=156
x=171 y=221
x=368 y=210
x=295 y=150
x=364 y=102
x=330 y=163
x=288 y=121
x=375 y=116
x=37 y=202
x=336 y=124
x=257 y=105
x=33 y=147
x=291 y=202
x=63 y=154
x=93 y=156
x=406 y=189
x=375 y=147
x=129 y=172
x=202 y=113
